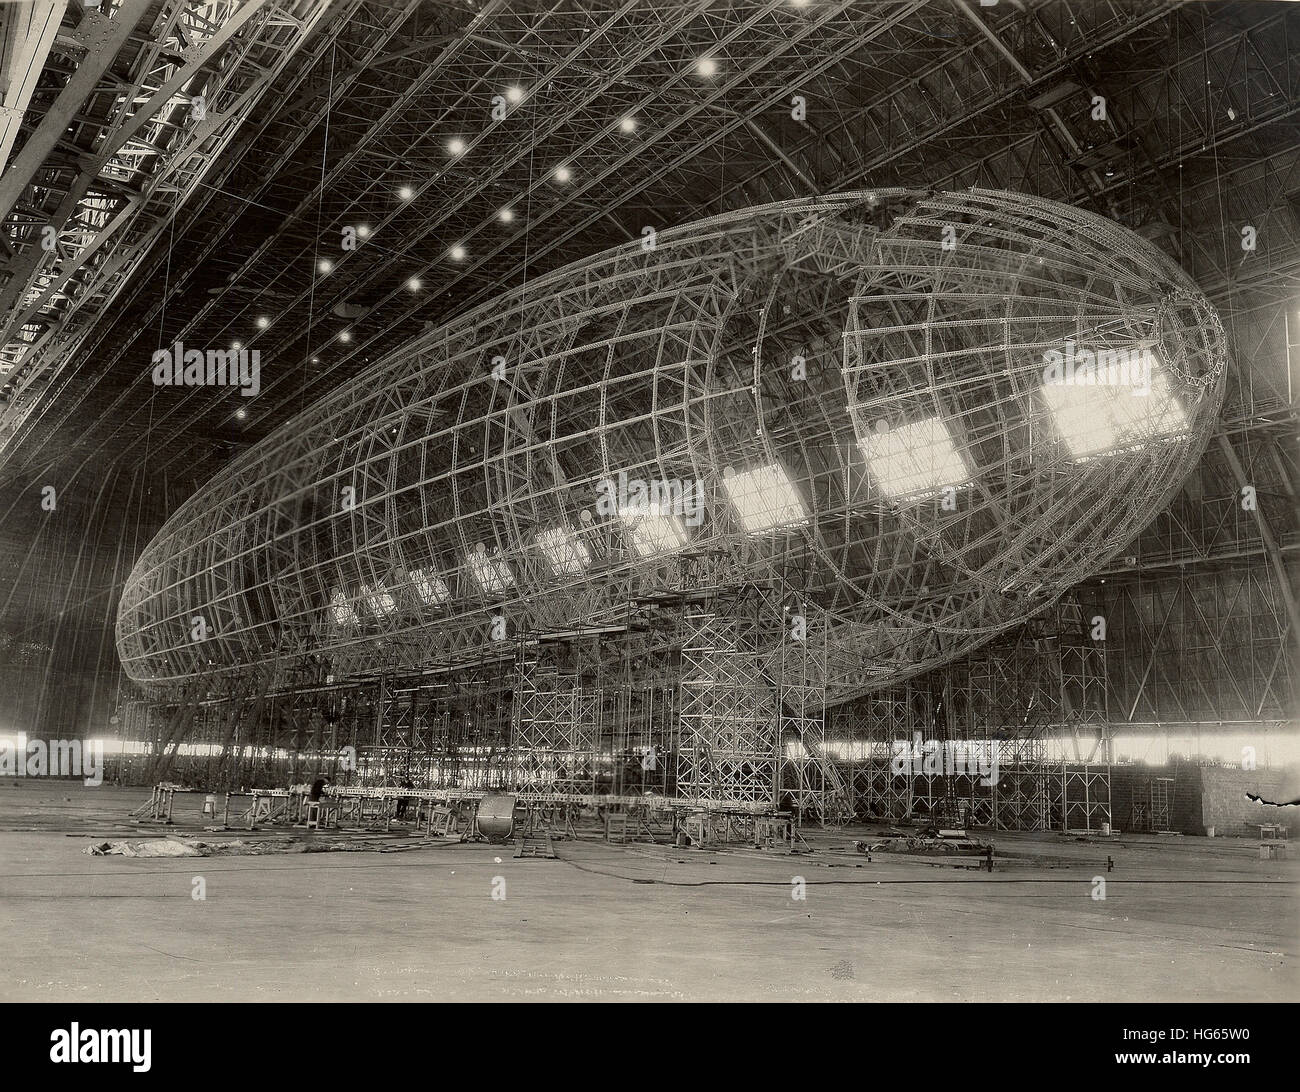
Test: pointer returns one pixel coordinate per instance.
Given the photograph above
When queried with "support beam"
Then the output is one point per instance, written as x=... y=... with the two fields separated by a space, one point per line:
x=28 y=32
x=32 y=259
x=1270 y=542
x=103 y=38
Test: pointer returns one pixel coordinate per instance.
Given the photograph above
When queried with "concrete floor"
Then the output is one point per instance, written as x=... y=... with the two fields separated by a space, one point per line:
x=1184 y=919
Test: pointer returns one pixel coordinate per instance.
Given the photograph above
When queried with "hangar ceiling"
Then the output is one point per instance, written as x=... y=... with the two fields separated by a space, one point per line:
x=197 y=164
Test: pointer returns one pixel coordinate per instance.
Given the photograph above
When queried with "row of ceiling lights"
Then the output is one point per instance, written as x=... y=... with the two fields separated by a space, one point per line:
x=706 y=66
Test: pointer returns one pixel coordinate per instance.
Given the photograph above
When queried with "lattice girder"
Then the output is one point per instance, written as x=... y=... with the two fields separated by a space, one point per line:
x=458 y=455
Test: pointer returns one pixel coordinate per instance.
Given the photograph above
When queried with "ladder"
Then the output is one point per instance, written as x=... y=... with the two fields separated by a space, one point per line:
x=535 y=839
x=536 y=843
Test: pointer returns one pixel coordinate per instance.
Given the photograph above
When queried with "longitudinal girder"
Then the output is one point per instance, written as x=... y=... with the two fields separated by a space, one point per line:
x=77 y=227
x=875 y=391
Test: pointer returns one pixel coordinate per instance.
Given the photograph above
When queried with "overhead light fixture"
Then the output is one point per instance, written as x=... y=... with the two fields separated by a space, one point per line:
x=345 y=335
x=413 y=284
x=514 y=94
x=628 y=123
x=406 y=193
x=363 y=230
x=506 y=215
x=706 y=66
x=325 y=265
x=457 y=252
x=562 y=174
x=456 y=146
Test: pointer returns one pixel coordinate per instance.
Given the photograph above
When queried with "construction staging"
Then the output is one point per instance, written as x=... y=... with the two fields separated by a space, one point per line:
x=764 y=500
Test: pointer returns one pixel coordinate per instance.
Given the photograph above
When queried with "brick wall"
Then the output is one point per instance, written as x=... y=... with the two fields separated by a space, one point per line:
x=1210 y=796
x=1225 y=807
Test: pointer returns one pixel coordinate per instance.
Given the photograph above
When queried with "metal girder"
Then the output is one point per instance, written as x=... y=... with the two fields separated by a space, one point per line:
x=26 y=33
x=1068 y=139
x=230 y=59
x=959 y=77
x=120 y=136
x=955 y=111
x=385 y=526
x=1280 y=570
x=251 y=174
x=102 y=37
x=668 y=135
x=919 y=107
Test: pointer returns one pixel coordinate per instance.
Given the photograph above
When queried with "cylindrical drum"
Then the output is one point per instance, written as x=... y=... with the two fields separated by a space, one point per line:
x=496 y=817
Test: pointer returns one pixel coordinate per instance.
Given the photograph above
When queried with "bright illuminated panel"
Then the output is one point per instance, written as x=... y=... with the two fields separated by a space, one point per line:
x=566 y=552
x=341 y=612
x=1096 y=418
x=379 y=601
x=491 y=573
x=650 y=531
x=430 y=587
x=764 y=498
x=895 y=596
x=914 y=460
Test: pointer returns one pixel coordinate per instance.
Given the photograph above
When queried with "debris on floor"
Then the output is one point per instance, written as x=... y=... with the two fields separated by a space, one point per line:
x=176 y=847
x=919 y=844
x=161 y=847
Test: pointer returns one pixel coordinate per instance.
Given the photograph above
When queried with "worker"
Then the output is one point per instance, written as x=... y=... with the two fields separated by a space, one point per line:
x=403 y=801
x=318 y=787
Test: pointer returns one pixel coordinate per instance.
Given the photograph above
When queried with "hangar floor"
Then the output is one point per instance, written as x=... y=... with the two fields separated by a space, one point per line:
x=1183 y=919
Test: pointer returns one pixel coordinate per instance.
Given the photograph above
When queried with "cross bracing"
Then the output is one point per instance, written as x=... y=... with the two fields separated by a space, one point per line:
x=772 y=342
x=343 y=117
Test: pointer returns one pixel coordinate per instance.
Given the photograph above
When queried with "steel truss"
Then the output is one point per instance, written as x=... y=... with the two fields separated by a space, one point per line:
x=555 y=726
x=966 y=108
x=717 y=723
x=1045 y=684
x=729 y=713
x=745 y=732
x=139 y=149
x=361 y=533
x=584 y=68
